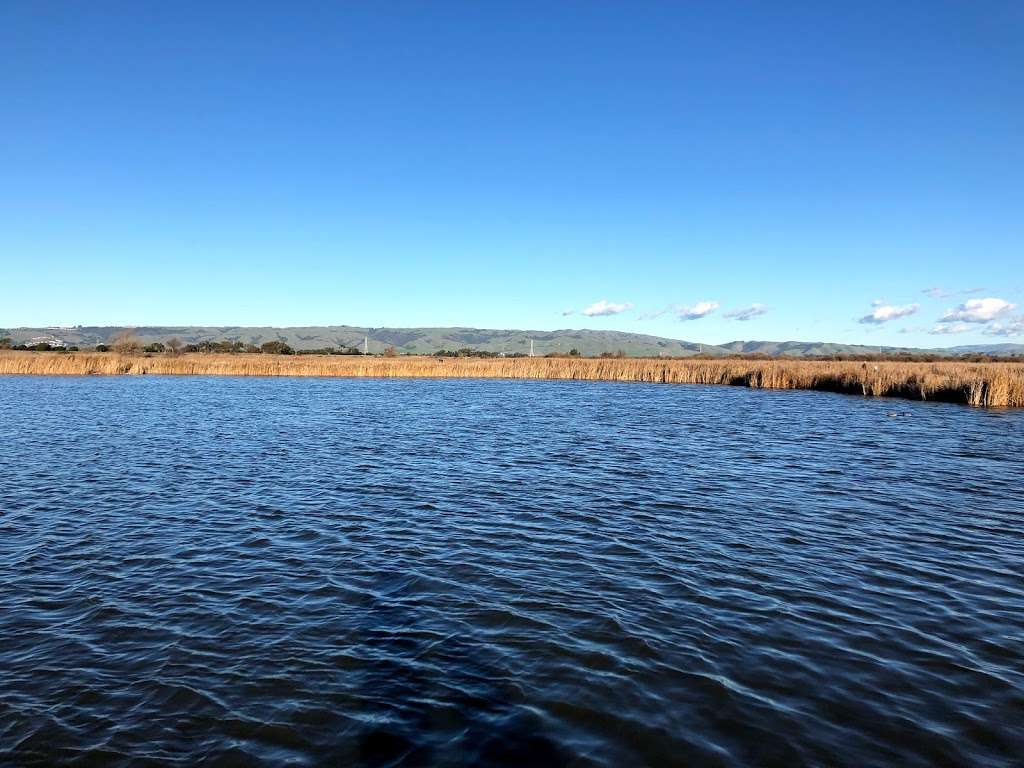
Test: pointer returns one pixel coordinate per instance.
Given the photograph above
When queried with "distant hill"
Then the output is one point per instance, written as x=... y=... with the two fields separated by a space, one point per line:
x=824 y=348
x=412 y=340
x=808 y=348
x=990 y=349
x=429 y=340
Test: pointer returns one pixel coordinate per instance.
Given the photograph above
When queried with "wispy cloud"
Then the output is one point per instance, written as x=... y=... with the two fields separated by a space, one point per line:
x=567 y=312
x=604 y=307
x=746 y=313
x=942 y=293
x=979 y=311
x=1012 y=326
x=696 y=311
x=883 y=313
x=944 y=329
x=651 y=315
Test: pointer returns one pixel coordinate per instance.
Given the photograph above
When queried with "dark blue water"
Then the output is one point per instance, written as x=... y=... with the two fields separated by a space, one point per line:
x=363 y=572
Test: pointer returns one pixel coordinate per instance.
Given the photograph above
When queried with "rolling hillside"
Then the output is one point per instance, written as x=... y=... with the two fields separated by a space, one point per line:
x=410 y=340
x=429 y=340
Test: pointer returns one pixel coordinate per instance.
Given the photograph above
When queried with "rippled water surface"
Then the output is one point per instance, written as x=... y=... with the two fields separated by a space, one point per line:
x=364 y=572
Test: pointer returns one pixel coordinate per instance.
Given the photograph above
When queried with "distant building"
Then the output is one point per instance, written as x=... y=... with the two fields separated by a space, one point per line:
x=52 y=341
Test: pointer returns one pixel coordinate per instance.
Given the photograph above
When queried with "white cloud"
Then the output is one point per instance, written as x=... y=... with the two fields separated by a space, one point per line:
x=944 y=329
x=603 y=307
x=883 y=313
x=979 y=311
x=697 y=311
x=1012 y=326
x=747 y=313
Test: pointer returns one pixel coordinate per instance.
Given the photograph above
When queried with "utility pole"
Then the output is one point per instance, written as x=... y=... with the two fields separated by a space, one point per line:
x=531 y=347
x=366 y=345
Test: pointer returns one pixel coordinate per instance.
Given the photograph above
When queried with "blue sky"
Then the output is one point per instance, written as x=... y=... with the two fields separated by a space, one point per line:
x=500 y=164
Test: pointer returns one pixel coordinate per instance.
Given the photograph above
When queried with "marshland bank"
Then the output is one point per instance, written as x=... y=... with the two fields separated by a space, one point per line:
x=979 y=384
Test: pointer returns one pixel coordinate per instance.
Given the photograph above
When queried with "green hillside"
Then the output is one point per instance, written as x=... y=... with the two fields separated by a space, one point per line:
x=808 y=348
x=407 y=340
x=426 y=341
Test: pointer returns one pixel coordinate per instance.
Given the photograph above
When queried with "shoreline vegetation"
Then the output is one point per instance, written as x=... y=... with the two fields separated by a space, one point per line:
x=995 y=384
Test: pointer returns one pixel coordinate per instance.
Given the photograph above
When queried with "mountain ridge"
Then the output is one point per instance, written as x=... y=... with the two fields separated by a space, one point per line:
x=431 y=339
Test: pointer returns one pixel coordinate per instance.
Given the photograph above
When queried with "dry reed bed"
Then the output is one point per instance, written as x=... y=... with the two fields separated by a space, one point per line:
x=982 y=384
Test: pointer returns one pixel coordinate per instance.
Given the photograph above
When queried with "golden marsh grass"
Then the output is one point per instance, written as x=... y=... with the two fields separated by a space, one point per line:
x=981 y=384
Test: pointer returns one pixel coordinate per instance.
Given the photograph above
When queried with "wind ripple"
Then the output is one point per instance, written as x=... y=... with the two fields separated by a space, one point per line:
x=312 y=572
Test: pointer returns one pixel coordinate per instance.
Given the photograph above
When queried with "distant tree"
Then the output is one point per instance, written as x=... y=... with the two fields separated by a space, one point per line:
x=390 y=352
x=42 y=347
x=173 y=346
x=226 y=345
x=156 y=347
x=276 y=348
x=73 y=348
x=574 y=352
x=126 y=343
x=208 y=346
x=102 y=348
x=251 y=349
x=5 y=342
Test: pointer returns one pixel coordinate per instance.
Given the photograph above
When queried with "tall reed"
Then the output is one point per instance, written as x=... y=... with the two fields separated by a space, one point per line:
x=982 y=384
